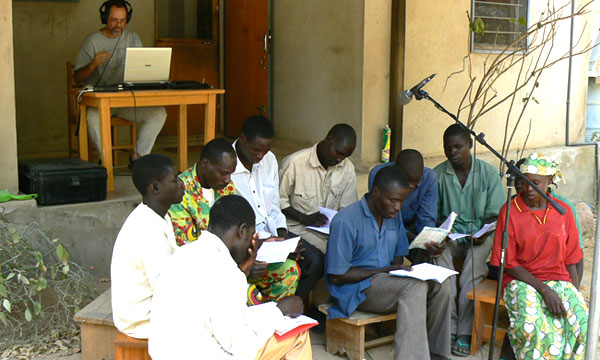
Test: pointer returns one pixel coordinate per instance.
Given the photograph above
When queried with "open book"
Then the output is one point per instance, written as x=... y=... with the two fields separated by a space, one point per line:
x=433 y=234
x=486 y=228
x=292 y=326
x=426 y=271
x=325 y=228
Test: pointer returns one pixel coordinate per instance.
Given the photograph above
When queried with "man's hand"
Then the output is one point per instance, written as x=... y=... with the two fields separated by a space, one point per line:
x=399 y=267
x=100 y=58
x=480 y=240
x=246 y=265
x=291 y=306
x=257 y=270
x=435 y=249
x=315 y=219
x=297 y=254
x=553 y=302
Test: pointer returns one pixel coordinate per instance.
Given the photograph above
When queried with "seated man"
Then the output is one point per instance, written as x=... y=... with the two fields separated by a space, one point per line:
x=457 y=185
x=367 y=240
x=420 y=207
x=101 y=61
x=318 y=176
x=205 y=182
x=189 y=323
x=256 y=178
x=145 y=241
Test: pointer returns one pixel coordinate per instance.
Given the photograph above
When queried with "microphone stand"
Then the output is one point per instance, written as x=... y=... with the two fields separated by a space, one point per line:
x=422 y=94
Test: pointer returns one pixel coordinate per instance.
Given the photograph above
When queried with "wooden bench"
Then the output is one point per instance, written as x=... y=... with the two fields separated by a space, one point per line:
x=100 y=337
x=348 y=335
x=484 y=315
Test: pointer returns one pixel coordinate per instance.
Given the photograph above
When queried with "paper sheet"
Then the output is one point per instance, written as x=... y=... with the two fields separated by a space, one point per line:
x=486 y=228
x=288 y=323
x=276 y=251
x=325 y=228
x=426 y=271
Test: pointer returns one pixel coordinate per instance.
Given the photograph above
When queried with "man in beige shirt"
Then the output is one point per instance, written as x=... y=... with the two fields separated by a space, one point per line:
x=318 y=176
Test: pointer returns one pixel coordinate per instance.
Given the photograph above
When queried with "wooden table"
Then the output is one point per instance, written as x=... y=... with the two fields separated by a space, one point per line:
x=104 y=101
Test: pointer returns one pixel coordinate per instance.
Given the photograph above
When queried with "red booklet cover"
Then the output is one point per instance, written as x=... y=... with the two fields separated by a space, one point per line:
x=292 y=326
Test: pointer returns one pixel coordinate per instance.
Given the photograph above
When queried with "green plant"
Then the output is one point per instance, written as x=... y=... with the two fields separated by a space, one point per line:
x=40 y=287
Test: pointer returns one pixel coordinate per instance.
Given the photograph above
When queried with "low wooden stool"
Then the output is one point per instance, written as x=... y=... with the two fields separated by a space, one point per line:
x=128 y=348
x=347 y=335
x=97 y=329
x=484 y=315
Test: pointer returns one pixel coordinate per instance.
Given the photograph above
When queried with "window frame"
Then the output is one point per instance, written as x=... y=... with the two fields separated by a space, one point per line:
x=495 y=50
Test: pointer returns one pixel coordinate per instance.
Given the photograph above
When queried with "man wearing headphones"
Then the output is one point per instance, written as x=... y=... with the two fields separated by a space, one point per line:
x=101 y=61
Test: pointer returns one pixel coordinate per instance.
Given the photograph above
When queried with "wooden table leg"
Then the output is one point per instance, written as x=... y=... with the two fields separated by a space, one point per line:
x=182 y=149
x=83 y=135
x=478 y=324
x=210 y=120
x=105 y=141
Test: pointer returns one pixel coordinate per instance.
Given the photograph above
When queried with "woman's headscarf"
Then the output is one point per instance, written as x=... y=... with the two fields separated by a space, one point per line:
x=540 y=164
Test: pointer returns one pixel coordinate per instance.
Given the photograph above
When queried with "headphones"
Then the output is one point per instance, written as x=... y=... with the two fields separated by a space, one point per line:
x=107 y=5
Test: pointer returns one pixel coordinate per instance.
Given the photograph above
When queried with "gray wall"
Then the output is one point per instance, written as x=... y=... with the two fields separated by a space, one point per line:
x=317 y=67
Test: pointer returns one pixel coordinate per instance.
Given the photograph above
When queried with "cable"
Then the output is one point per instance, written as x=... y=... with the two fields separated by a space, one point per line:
x=109 y=59
x=79 y=96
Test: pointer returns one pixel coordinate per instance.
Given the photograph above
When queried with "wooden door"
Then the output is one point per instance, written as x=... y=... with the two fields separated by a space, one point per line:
x=246 y=62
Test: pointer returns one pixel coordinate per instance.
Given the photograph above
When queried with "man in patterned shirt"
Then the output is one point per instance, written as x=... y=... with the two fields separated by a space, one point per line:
x=205 y=182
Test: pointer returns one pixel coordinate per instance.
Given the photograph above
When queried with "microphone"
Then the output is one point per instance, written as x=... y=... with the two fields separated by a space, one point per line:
x=406 y=96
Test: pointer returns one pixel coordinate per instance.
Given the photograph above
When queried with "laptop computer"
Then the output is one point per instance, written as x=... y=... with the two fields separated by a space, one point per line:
x=147 y=67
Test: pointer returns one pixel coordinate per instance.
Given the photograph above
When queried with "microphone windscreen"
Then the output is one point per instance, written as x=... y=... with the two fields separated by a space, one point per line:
x=405 y=97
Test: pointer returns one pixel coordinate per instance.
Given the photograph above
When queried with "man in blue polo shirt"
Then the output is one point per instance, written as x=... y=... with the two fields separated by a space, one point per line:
x=420 y=207
x=366 y=241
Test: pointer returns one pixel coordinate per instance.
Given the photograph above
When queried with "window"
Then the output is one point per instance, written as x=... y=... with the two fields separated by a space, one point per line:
x=504 y=21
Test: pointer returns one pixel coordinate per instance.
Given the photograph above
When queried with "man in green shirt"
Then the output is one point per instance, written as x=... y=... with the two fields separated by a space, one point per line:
x=459 y=178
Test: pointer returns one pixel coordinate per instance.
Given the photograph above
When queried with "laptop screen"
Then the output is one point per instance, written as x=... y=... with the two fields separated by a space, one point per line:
x=147 y=64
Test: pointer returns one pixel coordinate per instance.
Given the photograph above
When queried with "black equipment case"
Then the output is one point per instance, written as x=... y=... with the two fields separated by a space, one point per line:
x=62 y=180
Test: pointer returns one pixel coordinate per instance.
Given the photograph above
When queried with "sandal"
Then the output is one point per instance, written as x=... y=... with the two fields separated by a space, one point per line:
x=461 y=349
x=453 y=344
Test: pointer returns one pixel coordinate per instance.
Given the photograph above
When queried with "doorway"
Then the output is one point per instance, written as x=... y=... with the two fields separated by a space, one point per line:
x=247 y=61
x=226 y=44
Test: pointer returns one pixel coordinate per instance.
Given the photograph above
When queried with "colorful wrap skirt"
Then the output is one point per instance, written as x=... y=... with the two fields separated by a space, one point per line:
x=278 y=281
x=535 y=333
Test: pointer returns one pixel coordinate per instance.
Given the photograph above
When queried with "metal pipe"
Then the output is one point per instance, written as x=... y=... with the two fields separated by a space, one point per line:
x=594 y=319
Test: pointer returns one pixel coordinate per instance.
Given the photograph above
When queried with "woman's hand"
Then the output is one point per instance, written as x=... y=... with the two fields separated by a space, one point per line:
x=553 y=302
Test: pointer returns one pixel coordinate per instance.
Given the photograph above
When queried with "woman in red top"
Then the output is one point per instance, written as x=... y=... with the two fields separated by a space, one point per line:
x=548 y=315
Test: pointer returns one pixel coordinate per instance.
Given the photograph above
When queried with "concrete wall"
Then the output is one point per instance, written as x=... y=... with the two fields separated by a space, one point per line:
x=8 y=135
x=436 y=42
x=376 y=76
x=46 y=36
x=317 y=67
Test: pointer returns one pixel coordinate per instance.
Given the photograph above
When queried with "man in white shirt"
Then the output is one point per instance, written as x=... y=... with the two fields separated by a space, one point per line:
x=321 y=175
x=256 y=178
x=145 y=241
x=189 y=322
